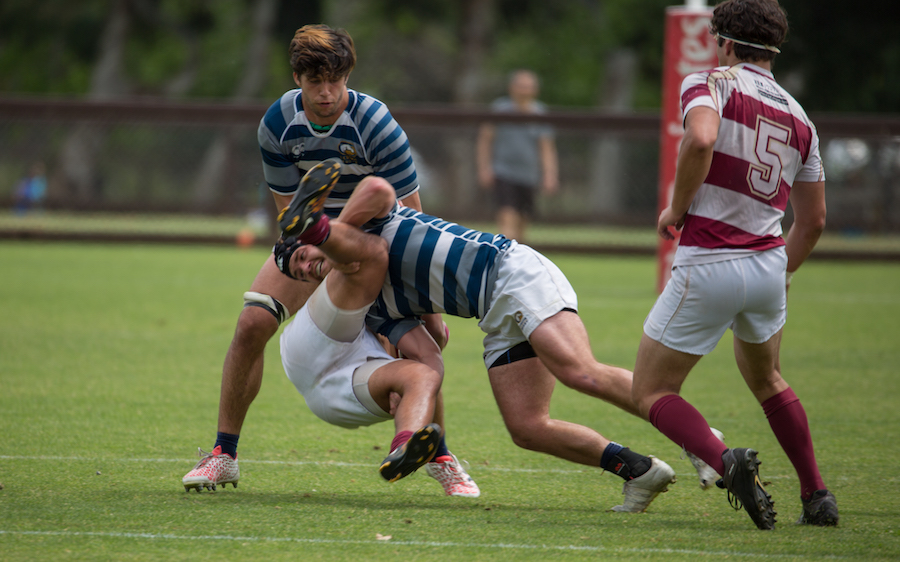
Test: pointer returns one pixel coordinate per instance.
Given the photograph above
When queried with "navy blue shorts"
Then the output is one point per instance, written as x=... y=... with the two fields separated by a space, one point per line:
x=515 y=195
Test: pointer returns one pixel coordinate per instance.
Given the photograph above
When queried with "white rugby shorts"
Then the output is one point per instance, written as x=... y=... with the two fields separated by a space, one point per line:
x=333 y=376
x=529 y=289
x=701 y=301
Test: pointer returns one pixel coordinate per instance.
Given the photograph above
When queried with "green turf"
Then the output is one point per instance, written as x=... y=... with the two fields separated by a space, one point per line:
x=110 y=361
x=554 y=235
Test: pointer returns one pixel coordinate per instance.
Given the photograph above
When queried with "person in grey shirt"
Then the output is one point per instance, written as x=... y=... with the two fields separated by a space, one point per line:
x=516 y=159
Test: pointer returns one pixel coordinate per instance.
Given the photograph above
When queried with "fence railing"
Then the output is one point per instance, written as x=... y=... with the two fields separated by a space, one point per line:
x=155 y=155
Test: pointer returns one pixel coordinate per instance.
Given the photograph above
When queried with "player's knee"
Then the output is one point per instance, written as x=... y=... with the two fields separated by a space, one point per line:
x=256 y=324
x=593 y=380
x=578 y=379
x=268 y=303
x=427 y=380
x=643 y=402
x=526 y=434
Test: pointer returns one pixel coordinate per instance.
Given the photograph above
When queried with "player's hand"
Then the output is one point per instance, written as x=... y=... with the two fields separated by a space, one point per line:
x=389 y=348
x=437 y=329
x=666 y=219
x=395 y=402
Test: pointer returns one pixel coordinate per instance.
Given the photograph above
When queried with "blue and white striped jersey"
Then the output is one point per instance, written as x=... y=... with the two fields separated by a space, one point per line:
x=434 y=266
x=365 y=137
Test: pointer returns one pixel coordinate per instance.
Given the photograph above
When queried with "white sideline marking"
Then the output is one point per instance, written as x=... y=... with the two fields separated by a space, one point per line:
x=324 y=463
x=168 y=536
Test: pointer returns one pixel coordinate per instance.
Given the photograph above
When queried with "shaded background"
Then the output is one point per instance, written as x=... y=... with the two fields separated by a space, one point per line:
x=152 y=105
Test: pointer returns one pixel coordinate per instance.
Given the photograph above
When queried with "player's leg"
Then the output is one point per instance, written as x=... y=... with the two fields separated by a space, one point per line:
x=328 y=339
x=271 y=300
x=689 y=318
x=522 y=390
x=659 y=372
x=534 y=299
x=415 y=388
x=417 y=344
x=445 y=466
x=787 y=418
x=243 y=368
x=562 y=344
x=758 y=329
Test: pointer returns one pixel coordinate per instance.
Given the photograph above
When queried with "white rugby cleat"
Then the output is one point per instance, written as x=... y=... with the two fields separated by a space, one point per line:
x=455 y=480
x=642 y=490
x=213 y=469
x=707 y=475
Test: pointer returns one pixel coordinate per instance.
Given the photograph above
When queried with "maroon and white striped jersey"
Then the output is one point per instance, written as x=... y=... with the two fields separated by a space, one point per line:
x=765 y=143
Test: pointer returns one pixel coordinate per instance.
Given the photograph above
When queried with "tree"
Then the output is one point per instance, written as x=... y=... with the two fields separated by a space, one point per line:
x=79 y=155
x=213 y=175
x=845 y=57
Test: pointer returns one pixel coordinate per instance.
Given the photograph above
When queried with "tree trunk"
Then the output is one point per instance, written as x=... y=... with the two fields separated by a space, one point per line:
x=474 y=35
x=475 y=29
x=607 y=185
x=213 y=182
x=80 y=179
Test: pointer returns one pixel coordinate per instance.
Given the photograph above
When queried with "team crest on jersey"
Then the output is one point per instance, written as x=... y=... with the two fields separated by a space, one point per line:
x=348 y=153
x=298 y=149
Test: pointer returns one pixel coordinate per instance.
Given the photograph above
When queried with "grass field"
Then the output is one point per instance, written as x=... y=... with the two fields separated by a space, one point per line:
x=63 y=223
x=110 y=363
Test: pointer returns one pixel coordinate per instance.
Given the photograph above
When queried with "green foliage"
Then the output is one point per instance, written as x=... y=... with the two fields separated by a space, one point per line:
x=848 y=55
x=563 y=42
x=48 y=47
x=111 y=357
x=638 y=25
x=223 y=51
x=840 y=58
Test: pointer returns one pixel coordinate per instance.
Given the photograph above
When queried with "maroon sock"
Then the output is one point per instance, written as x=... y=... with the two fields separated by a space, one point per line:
x=401 y=438
x=788 y=420
x=683 y=424
x=317 y=233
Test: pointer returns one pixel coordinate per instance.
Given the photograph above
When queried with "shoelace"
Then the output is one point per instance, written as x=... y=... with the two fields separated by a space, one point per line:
x=732 y=499
x=204 y=457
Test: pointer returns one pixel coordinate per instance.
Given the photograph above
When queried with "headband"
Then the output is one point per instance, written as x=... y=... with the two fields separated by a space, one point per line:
x=748 y=43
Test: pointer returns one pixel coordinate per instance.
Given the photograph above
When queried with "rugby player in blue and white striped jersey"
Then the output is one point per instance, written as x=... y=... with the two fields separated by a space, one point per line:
x=319 y=120
x=526 y=307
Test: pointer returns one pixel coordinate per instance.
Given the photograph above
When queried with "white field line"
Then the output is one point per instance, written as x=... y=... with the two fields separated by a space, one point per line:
x=322 y=463
x=502 y=546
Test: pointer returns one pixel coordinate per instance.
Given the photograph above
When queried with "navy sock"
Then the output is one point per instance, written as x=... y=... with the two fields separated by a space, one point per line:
x=609 y=453
x=442 y=449
x=628 y=464
x=228 y=442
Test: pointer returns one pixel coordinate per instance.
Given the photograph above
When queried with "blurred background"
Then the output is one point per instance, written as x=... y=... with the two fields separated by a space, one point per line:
x=150 y=107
